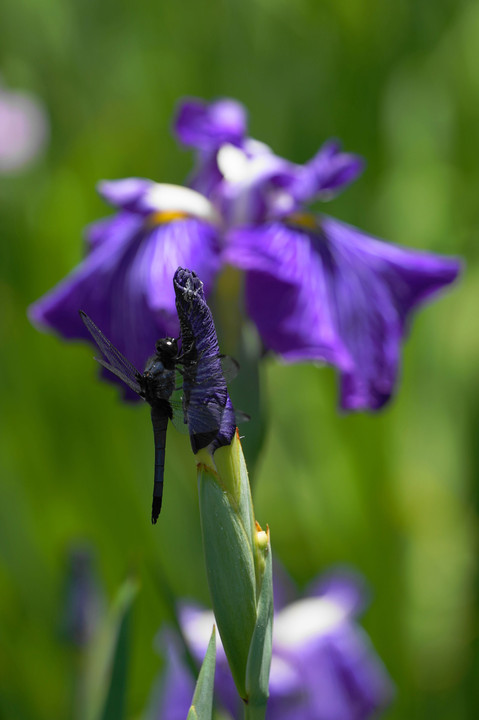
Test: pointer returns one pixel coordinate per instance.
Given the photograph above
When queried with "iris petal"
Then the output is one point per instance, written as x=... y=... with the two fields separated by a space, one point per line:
x=125 y=281
x=209 y=411
x=327 y=173
x=207 y=125
x=337 y=295
x=329 y=671
x=108 y=286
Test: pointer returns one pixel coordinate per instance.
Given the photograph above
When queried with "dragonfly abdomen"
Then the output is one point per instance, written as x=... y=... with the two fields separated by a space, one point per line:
x=160 y=414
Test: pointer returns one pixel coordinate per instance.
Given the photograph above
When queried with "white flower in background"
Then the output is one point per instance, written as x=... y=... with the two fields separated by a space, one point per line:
x=324 y=666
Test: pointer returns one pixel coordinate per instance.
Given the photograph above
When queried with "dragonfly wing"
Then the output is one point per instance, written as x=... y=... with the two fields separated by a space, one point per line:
x=133 y=384
x=195 y=417
x=115 y=362
x=204 y=418
x=207 y=375
x=229 y=367
x=241 y=417
x=177 y=407
x=206 y=370
x=187 y=416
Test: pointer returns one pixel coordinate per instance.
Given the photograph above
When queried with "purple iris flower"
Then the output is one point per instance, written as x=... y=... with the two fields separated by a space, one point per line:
x=317 y=289
x=125 y=281
x=323 y=666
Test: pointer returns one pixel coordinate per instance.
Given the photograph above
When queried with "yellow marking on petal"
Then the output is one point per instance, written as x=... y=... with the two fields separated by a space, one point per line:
x=166 y=216
x=307 y=220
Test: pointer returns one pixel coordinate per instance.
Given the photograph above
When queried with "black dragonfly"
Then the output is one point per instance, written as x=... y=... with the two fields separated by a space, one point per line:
x=156 y=385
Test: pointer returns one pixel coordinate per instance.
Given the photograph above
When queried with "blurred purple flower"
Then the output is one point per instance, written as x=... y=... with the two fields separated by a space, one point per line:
x=317 y=289
x=328 y=292
x=24 y=130
x=243 y=177
x=172 y=694
x=125 y=281
x=83 y=602
x=207 y=127
x=323 y=668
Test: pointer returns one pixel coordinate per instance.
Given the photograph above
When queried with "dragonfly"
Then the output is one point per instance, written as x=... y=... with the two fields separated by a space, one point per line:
x=157 y=384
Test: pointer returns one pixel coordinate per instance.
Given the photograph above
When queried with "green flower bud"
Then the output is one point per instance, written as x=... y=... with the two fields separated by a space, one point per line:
x=238 y=565
x=259 y=658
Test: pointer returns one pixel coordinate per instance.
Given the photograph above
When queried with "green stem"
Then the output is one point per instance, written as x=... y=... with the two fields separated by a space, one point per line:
x=239 y=338
x=254 y=712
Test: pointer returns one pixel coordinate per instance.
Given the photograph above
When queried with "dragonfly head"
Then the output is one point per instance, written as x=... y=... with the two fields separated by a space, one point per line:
x=167 y=348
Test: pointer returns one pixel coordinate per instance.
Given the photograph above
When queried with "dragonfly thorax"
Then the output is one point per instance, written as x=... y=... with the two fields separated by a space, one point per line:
x=159 y=378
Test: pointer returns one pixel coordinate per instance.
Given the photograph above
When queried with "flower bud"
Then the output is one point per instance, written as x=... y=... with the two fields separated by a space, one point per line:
x=238 y=564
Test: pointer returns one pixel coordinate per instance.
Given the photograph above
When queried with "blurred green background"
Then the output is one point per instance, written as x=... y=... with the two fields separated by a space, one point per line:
x=396 y=495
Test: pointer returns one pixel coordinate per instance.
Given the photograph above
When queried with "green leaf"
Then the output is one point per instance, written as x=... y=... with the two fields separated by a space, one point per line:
x=202 y=705
x=107 y=660
x=259 y=658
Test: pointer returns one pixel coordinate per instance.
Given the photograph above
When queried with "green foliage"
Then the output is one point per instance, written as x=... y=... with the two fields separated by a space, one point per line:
x=107 y=661
x=202 y=705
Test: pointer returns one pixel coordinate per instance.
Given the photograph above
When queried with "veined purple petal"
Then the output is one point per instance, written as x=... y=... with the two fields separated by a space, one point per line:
x=380 y=288
x=335 y=294
x=184 y=242
x=118 y=227
x=125 y=285
x=89 y=286
x=197 y=326
x=208 y=125
x=327 y=173
x=286 y=298
x=208 y=409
